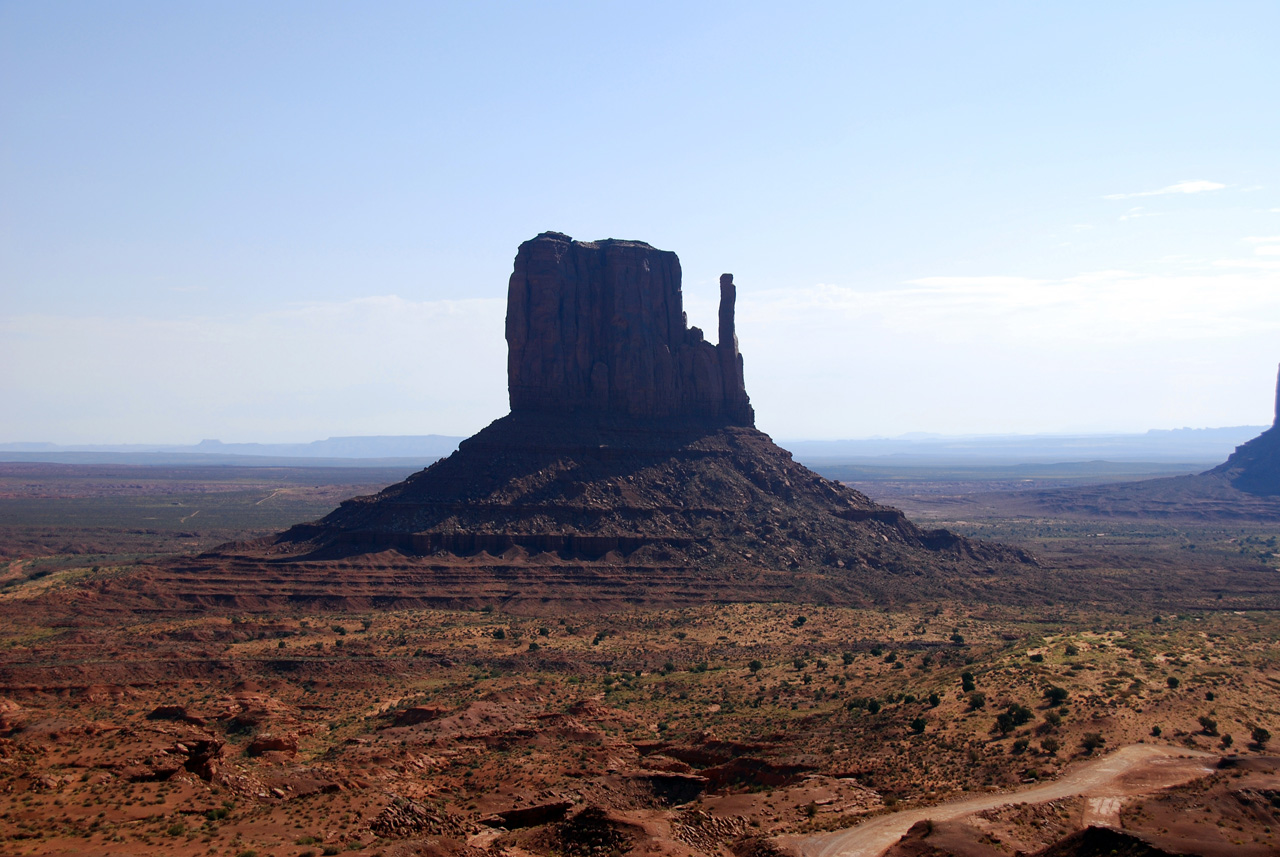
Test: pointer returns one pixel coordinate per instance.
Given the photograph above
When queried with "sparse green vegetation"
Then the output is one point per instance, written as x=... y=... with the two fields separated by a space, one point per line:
x=886 y=693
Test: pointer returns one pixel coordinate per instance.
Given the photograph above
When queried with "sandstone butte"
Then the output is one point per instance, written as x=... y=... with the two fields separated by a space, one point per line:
x=1245 y=487
x=1254 y=467
x=629 y=472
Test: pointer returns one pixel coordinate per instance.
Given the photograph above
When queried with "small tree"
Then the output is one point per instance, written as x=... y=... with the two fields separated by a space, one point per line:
x=755 y=666
x=1208 y=725
x=1173 y=681
x=917 y=725
x=977 y=700
x=1092 y=741
x=1260 y=737
x=1056 y=695
x=1018 y=714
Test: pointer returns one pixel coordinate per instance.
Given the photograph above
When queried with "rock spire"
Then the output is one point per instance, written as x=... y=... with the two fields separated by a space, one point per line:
x=599 y=327
x=1275 y=421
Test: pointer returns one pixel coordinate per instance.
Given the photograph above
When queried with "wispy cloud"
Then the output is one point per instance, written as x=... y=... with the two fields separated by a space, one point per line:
x=1102 y=348
x=1196 y=186
x=1123 y=307
x=967 y=353
x=1138 y=211
x=1264 y=245
x=1254 y=264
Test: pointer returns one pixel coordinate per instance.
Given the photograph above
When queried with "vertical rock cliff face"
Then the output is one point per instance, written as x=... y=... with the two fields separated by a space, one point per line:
x=629 y=471
x=600 y=327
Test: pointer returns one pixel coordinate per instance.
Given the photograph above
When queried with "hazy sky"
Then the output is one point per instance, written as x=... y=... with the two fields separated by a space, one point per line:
x=283 y=221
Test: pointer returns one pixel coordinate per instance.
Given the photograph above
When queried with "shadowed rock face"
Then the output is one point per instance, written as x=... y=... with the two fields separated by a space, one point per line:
x=1255 y=466
x=599 y=327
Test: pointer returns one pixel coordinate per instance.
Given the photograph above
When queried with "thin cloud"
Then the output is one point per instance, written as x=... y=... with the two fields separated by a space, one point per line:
x=1138 y=211
x=1264 y=245
x=1198 y=186
x=1125 y=308
x=1256 y=264
x=1006 y=353
x=976 y=283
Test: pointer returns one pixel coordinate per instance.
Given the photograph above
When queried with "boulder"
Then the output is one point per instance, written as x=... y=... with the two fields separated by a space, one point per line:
x=273 y=744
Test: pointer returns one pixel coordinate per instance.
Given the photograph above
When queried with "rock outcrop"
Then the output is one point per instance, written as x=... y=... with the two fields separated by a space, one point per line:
x=628 y=472
x=599 y=327
x=1255 y=466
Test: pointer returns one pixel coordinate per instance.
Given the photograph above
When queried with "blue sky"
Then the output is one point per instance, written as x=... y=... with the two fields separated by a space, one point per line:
x=286 y=221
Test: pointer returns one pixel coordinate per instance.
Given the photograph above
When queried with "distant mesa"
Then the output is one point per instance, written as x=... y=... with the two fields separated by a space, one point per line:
x=628 y=472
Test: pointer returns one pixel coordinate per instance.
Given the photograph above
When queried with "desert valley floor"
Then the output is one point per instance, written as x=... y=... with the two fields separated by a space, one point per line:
x=717 y=728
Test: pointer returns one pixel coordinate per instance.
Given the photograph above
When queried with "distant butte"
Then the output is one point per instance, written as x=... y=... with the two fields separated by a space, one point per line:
x=1254 y=467
x=1245 y=487
x=628 y=472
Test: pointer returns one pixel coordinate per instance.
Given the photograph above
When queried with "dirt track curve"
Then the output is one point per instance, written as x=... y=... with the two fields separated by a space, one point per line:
x=1133 y=770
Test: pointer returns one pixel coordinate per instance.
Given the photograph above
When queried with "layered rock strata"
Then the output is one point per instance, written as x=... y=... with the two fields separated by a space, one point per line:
x=628 y=471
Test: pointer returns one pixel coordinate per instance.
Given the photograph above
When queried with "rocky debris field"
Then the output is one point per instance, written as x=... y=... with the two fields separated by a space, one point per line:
x=697 y=730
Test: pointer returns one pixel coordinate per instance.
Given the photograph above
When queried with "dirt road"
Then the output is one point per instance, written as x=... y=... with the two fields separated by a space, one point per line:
x=1133 y=770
